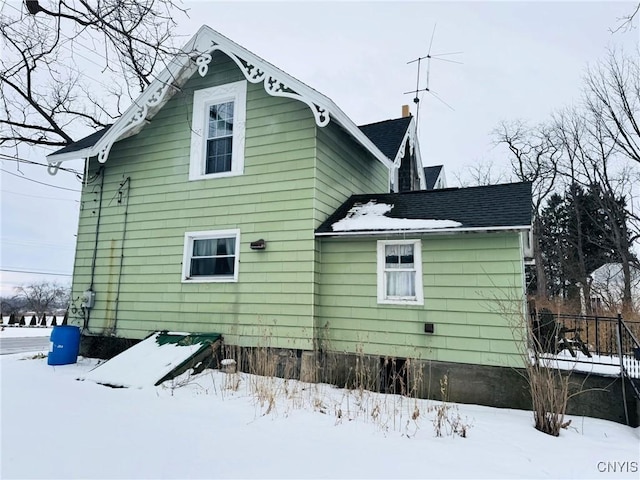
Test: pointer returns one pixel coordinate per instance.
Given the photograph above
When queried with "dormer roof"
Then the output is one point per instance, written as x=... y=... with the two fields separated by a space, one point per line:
x=431 y=175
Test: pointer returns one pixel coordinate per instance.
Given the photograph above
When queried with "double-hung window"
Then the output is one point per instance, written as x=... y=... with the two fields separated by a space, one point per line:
x=211 y=256
x=400 y=272
x=217 y=137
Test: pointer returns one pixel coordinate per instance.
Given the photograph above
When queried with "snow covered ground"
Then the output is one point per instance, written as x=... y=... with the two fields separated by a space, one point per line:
x=24 y=332
x=216 y=425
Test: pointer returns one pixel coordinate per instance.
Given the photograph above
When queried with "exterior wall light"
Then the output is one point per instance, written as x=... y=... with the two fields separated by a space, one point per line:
x=258 y=244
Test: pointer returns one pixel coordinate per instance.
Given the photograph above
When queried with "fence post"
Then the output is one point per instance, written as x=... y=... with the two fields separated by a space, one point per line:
x=622 y=376
x=597 y=337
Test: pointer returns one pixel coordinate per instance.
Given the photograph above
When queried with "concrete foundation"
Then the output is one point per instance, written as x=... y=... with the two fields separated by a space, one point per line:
x=600 y=397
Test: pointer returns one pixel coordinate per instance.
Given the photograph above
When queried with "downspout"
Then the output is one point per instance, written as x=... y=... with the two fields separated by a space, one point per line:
x=87 y=310
x=126 y=182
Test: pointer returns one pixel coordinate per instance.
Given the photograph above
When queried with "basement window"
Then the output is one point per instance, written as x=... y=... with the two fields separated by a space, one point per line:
x=400 y=272
x=211 y=256
x=218 y=131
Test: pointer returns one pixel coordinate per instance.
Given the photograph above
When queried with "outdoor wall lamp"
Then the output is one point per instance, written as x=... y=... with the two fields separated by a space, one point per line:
x=258 y=244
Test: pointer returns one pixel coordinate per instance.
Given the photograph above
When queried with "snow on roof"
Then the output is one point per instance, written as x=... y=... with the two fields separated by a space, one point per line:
x=371 y=216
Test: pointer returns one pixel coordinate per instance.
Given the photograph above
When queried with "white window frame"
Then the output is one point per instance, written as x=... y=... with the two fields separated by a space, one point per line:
x=189 y=237
x=202 y=100
x=418 y=299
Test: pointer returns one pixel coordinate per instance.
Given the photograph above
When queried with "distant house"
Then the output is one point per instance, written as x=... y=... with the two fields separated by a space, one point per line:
x=233 y=198
x=607 y=287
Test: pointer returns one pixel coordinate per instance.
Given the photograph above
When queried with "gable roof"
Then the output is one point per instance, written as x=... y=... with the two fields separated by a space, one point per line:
x=79 y=147
x=196 y=56
x=387 y=135
x=493 y=207
x=431 y=175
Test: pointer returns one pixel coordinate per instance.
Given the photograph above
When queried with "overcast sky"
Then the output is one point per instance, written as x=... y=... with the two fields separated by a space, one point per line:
x=518 y=61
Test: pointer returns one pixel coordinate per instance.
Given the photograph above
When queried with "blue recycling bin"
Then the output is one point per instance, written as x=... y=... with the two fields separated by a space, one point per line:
x=64 y=345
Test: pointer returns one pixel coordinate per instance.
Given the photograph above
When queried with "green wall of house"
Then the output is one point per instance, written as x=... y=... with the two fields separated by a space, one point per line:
x=470 y=282
x=293 y=177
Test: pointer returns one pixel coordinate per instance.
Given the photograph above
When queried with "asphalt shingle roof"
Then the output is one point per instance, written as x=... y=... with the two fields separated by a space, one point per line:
x=387 y=135
x=88 y=141
x=506 y=205
x=431 y=174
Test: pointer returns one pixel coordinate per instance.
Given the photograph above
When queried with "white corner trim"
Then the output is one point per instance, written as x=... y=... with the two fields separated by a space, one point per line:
x=237 y=92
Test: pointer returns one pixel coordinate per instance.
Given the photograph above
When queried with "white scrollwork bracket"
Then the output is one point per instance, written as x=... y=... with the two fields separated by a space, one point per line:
x=277 y=88
x=256 y=74
x=136 y=118
x=252 y=72
x=203 y=62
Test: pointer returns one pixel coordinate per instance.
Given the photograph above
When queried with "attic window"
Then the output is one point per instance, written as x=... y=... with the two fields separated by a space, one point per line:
x=218 y=131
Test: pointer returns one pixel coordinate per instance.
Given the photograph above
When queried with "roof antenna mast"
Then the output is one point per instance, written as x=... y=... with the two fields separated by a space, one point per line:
x=428 y=57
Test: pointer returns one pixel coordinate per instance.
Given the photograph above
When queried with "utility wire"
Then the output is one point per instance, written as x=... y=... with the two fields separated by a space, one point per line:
x=39 y=196
x=16 y=270
x=31 y=162
x=41 y=183
x=28 y=243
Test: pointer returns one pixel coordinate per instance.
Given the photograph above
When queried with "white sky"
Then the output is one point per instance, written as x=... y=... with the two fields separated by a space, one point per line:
x=519 y=61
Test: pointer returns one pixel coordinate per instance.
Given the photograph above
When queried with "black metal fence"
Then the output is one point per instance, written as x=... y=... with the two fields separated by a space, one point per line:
x=591 y=339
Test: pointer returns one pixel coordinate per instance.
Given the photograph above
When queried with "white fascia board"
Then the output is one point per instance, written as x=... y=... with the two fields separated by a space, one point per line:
x=75 y=155
x=418 y=155
x=441 y=231
x=154 y=96
x=181 y=68
x=411 y=136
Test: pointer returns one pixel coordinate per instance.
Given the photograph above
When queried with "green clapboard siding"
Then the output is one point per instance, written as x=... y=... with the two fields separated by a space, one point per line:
x=295 y=175
x=475 y=300
x=272 y=303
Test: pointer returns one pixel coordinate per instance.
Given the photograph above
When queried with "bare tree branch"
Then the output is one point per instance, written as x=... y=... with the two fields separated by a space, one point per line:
x=49 y=55
x=626 y=22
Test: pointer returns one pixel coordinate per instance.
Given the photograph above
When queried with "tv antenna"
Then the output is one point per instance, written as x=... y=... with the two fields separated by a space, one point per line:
x=428 y=57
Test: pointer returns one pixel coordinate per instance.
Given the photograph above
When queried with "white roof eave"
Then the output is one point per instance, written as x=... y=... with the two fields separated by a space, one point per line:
x=421 y=231
x=255 y=69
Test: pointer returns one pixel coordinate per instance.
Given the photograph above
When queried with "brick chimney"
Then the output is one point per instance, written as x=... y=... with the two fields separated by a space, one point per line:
x=405 y=111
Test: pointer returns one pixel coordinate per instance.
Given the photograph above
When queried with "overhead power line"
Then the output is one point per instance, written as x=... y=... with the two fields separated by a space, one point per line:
x=41 y=183
x=39 y=196
x=4 y=156
x=17 y=270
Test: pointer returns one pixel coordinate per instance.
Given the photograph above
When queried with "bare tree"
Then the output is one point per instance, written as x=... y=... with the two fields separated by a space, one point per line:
x=612 y=97
x=592 y=160
x=42 y=297
x=595 y=146
x=534 y=157
x=483 y=172
x=68 y=63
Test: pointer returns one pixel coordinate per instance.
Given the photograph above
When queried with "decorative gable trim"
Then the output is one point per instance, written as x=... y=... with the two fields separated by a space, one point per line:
x=197 y=55
x=272 y=85
x=410 y=136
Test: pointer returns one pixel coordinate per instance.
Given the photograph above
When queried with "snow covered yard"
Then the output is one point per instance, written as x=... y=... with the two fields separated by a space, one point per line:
x=24 y=332
x=212 y=426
